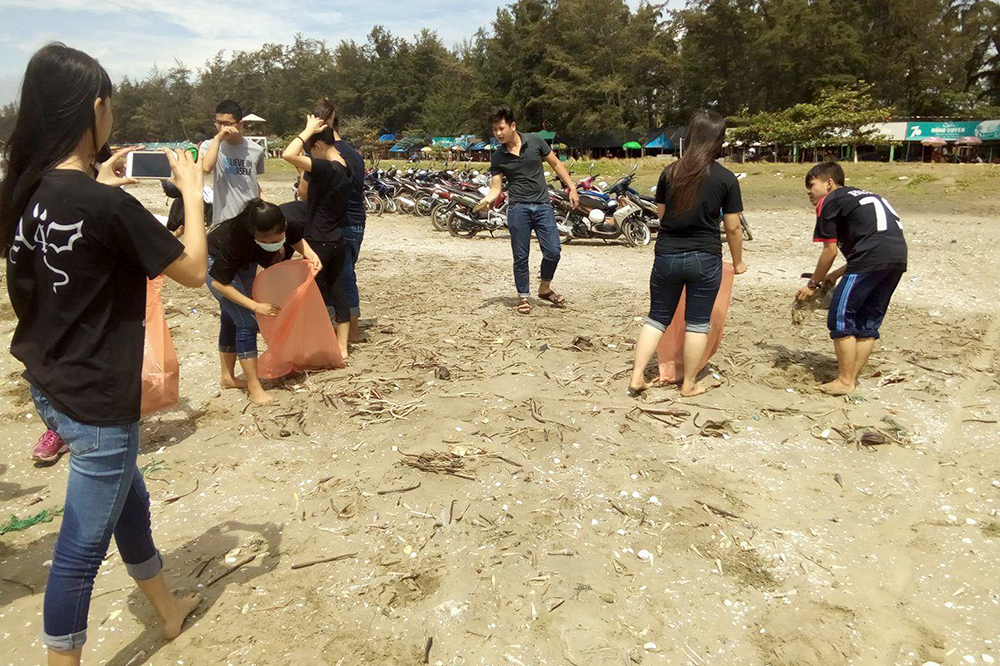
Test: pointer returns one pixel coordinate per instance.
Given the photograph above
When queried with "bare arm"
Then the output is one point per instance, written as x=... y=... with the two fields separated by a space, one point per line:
x=496 y=187
x=235 y=295
x=734 y=236
x=826 y=259
x=303 y=187
x=560 y=169
x=293 y=155
x=302 y=247
x=190 y=268
x=212 y=154
x=293 y=152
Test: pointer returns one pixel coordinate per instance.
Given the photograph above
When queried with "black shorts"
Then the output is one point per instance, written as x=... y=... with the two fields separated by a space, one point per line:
x=860 y=301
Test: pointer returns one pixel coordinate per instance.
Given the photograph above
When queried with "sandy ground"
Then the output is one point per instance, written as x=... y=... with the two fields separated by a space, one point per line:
x=524 y=511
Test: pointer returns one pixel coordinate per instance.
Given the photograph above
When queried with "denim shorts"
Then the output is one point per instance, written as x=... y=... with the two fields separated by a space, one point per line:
x=696 y=274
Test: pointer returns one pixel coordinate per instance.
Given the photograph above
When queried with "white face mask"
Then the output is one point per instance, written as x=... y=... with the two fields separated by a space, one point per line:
x=271 y=247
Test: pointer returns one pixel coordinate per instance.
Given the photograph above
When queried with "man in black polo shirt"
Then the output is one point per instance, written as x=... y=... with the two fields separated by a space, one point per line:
x=519 y=158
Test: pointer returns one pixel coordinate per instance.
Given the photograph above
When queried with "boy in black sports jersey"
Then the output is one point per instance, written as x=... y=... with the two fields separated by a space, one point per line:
x=869 y=233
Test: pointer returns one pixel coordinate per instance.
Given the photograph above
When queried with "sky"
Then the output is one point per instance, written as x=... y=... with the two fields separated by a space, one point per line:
x=129 y=37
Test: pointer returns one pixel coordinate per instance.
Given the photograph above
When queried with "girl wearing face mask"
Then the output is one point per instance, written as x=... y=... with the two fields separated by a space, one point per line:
x=261 y=236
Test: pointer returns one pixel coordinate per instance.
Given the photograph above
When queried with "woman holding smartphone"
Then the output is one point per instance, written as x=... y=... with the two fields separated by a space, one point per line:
x=79 y=251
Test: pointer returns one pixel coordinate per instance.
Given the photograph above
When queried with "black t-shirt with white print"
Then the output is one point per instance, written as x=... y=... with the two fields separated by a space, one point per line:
x=866 y=228
x=76 y=275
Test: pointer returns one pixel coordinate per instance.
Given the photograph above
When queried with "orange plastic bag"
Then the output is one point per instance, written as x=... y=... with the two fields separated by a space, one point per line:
x=301 y=337
x=670 y=353
x=161 y=374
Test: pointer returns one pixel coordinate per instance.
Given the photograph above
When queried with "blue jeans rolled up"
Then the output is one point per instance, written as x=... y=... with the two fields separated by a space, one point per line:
x=522 y=219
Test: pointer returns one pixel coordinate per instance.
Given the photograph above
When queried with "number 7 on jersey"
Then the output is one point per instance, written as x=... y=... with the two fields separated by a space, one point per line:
x=881 y=219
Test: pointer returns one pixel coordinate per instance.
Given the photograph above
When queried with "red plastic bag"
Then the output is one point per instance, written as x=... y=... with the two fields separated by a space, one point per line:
x=161 y=374
x=670 y=353
x=301 y=337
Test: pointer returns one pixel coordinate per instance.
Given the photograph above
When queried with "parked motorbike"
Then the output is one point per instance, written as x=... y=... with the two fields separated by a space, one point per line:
x=466 y=222
x=469 y=184
x=608 y=216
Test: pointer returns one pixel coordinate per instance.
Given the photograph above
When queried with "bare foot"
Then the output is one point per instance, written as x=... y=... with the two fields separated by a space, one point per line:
x=232 y=383
x=636 y=391
x=173 y=625
x=837 y=387
x=260 y=397
x=343 y=353
x=691 y=390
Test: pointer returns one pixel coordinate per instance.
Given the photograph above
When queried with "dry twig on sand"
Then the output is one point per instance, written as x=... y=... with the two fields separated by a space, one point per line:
x=245 y=561
x=858 y=435
x=336 y=558
x=460 y=462
x=536 y=413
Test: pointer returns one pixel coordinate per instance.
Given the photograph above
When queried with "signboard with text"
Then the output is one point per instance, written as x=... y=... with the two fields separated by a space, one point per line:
x=987 y=130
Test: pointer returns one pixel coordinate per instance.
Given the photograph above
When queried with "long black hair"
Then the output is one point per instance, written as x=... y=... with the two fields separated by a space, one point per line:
x=702 y=145
x=57 y=109
x=262 y=217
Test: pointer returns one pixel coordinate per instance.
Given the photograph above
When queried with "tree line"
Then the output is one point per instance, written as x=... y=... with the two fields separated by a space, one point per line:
x=586 y=66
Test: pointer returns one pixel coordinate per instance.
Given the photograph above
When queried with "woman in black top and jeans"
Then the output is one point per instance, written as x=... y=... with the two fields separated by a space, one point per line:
x=690 y=195
x=79 y=251
x=329 y=188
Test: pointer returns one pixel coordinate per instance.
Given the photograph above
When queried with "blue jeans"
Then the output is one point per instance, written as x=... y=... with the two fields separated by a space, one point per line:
x=354 y=235
x=700 y=273
x=105 y=495
x=860 y=301
x=237 y=325
x=522 y=218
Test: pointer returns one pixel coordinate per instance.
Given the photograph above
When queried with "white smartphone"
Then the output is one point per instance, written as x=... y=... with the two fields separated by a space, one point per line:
x=148 y=164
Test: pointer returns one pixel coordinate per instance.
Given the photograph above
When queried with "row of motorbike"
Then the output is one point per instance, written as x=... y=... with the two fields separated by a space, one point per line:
x=449 y=198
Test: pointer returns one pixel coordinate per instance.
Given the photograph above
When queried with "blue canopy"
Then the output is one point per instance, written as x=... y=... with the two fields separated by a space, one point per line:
x=479 y=146
x=386 y=138
x=400 y=147
x=661 y=142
